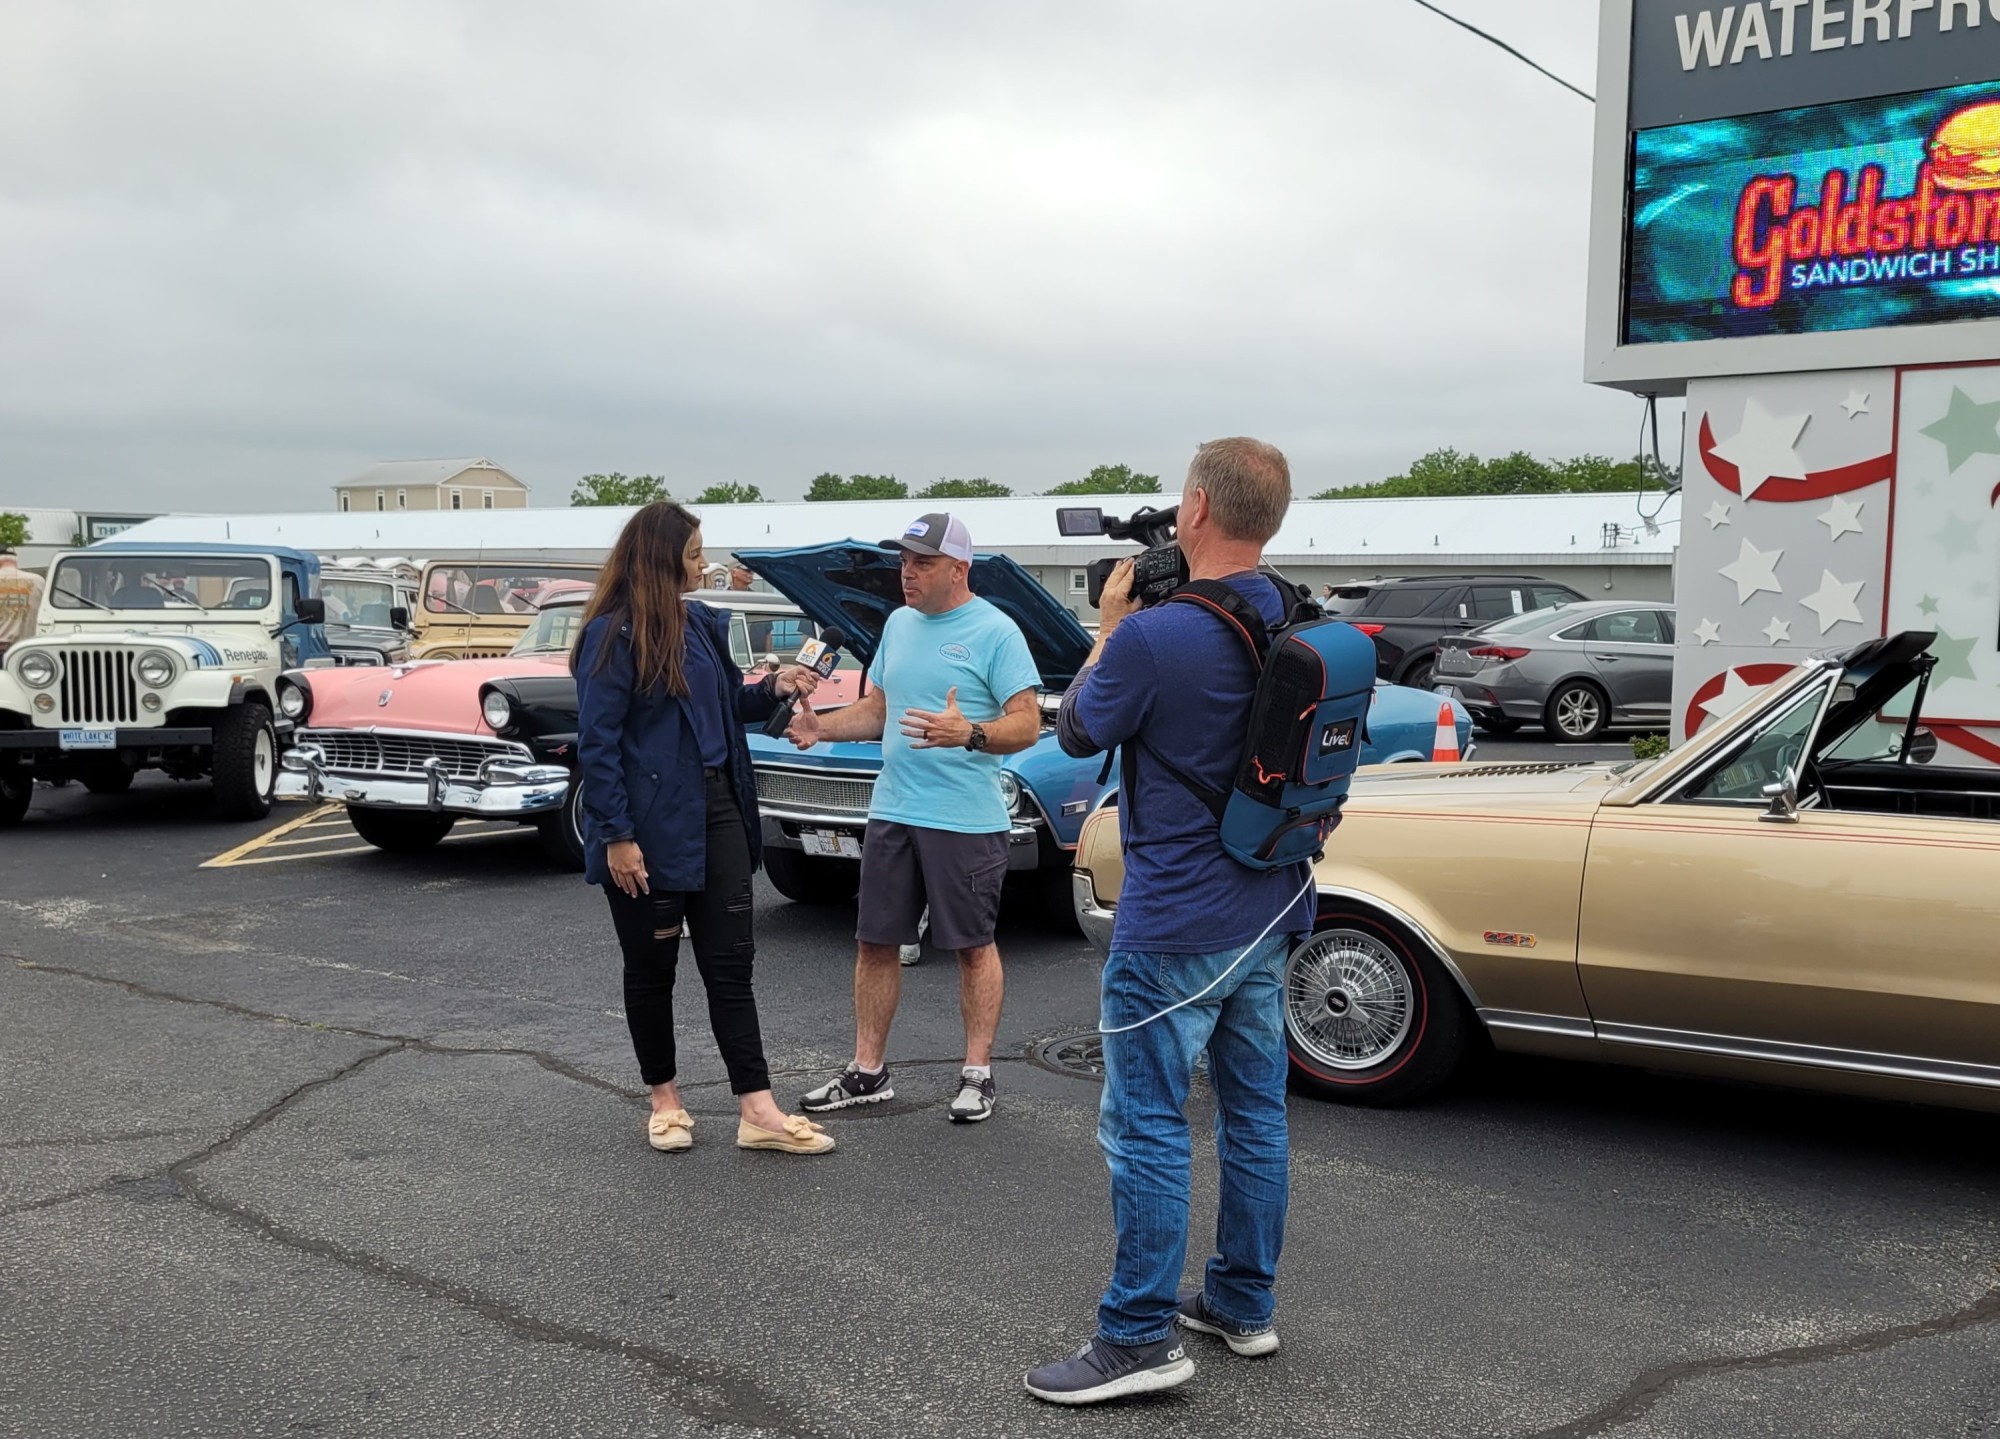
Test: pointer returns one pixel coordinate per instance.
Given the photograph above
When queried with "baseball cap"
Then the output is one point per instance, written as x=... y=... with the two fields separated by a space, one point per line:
x=935 y=534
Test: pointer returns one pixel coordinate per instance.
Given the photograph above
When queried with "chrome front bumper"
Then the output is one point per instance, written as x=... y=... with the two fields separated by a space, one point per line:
x=781 y=831
x=1092 y=918
x=504 y=788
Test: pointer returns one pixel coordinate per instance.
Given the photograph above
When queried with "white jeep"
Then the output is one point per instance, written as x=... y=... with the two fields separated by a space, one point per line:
x=160 y=657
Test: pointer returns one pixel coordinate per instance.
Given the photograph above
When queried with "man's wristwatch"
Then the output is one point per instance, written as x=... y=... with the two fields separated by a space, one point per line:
x=977 y=739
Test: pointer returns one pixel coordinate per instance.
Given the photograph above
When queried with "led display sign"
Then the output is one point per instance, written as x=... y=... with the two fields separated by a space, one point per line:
x=1859 y=215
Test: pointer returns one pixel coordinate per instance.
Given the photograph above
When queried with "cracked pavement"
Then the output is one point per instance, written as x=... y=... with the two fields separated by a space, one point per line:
x=353 y=1146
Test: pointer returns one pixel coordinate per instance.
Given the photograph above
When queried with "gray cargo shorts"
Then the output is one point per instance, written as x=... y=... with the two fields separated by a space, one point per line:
x=904 y=867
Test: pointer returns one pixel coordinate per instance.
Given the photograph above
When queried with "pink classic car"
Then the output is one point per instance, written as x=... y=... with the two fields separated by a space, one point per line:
x=411 y=748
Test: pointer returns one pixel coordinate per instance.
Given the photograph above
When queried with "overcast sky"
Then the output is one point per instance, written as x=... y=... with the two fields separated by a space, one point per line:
x=252 y=247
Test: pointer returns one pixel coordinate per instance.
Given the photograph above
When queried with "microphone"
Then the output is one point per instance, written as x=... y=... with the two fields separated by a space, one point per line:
x=819 y=656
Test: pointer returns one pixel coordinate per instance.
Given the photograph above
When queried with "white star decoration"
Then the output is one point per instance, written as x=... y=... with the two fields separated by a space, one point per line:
x=1834 y=602
x=1734 y=693
x=1718 y=515
x=1763 y=449
x=1842 y=517
x=1755 y=570
x=1778 y=632
x=1856 y=403
x=1708 y=632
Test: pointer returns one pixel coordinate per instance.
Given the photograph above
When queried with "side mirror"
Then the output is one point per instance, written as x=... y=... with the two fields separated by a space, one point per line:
x=1923 y=746
x=312 y=612
x=1783 y=797
x=399 y=618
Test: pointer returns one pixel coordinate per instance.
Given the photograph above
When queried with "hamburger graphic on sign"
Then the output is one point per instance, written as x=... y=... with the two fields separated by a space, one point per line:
x=1965 y=152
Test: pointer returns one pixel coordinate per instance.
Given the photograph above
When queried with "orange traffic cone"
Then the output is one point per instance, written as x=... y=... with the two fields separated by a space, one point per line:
x=1444 y=749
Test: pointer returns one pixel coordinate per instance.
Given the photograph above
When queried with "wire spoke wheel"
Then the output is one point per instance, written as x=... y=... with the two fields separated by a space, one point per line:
x=1350 y=1001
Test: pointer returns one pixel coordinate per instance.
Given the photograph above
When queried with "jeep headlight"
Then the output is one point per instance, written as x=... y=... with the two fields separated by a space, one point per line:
x=38 y=670
x=1010 y=791
x=497 y=709
x=156 y=669
x=293 y=699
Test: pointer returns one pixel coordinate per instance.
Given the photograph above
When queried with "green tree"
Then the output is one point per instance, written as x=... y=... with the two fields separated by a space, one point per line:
x=1446 y=472
x=857 y=487
x=13 y=529
x=981 y=489
x=729 y=493
x=1110 y=480
x=617 y=489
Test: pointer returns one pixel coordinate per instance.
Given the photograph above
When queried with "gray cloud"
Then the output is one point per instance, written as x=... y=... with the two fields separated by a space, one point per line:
x=254 y=247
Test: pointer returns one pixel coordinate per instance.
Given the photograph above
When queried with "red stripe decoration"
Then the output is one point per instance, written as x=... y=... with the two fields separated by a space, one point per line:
x=1966 y=740
x=1814 y=486
x=1756 y=676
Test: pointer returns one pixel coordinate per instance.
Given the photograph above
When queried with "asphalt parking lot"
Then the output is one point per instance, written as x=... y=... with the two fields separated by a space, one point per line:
x=321 y=1140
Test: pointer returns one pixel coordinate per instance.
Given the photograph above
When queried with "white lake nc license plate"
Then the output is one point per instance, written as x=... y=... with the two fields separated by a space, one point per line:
x=830 y=844
x=87 y=739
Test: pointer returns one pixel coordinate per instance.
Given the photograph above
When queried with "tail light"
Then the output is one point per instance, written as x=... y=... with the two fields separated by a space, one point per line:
x=1371 y=630
x=1497 y=652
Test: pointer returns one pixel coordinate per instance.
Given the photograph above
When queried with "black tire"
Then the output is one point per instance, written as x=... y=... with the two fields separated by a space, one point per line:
x=808 y=879
x=17 y=789
x=108 y=781
x=1577 y=712
x=562 y=832
x=400 y=831
x=245 y=765
x=1499 y=724
x=1418 y=675
x=1413 y=1029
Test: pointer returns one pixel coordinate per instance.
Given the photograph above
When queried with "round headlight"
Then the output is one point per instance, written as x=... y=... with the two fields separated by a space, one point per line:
x=38 y=670
x=1010 y=791
x=292 y=699
x=498 y=710
x=156 y=669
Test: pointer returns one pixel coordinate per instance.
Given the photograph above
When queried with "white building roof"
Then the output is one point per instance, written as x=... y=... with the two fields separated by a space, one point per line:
x=416 y=474
x=1358 y=534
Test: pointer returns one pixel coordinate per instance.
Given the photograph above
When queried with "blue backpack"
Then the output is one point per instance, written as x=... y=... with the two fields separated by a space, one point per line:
x=1307 y=724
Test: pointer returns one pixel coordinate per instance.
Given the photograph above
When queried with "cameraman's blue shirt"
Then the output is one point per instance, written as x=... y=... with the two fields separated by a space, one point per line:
x=1178 y=676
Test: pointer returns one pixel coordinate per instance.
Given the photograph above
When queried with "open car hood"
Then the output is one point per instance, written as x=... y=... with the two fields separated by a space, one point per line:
x=856 y=586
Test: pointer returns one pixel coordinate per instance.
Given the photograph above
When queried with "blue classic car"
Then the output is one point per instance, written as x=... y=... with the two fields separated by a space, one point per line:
x=815 y=802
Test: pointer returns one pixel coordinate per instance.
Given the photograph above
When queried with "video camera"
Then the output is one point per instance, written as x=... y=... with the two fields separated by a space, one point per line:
x=1161 y=568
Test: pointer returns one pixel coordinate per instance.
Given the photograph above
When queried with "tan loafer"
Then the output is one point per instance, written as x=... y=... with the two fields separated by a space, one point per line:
x=799 y=1136
x=670 y=1130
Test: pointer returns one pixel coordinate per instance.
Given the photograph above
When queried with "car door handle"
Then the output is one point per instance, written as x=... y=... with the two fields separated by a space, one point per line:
x=1608 y=659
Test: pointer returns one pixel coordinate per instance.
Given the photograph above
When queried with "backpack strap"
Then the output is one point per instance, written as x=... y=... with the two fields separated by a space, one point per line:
x=1232 y=609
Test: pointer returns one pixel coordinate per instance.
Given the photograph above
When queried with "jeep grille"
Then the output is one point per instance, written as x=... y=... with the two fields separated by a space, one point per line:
x=357 y=752
x=831 y=794
x=98 y=687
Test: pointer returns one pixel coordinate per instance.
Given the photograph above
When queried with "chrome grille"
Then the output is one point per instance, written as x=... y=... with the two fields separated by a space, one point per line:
x=358 y=752
x=815 y=793
x=98 y=687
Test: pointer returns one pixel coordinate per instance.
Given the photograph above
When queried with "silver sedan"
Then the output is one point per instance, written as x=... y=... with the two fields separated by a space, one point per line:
x=1576 y=670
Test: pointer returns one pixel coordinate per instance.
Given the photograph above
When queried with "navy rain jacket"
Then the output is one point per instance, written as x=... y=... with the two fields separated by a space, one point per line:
x=640 y=766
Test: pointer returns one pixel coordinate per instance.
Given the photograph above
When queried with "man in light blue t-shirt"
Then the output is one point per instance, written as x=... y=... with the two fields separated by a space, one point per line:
x=960 y=676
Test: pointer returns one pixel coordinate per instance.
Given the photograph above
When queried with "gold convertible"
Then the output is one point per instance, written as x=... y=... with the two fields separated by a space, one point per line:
x=1801 y=894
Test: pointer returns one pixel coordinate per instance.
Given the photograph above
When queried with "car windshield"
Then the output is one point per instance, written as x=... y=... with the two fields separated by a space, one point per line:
x=1520 y=624
x=365 y=603
x=1774 y=754
x=497 y=589
x=1346 y=602
x=554 y=631
x=162 y=582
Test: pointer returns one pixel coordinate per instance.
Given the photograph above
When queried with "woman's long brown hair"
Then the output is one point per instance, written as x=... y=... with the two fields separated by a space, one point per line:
x=640 y=585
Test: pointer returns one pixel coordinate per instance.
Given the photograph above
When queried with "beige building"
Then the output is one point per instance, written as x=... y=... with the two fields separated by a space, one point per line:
x=468 y=484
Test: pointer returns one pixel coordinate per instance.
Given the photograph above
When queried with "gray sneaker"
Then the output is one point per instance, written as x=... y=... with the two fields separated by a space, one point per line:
x=850 y=1087
x=1195 y=1314
x=1101 y=1371
x=910 y=954
x=974 y=1100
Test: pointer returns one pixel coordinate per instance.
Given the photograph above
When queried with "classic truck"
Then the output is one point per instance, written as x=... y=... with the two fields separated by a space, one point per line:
x=159 y=657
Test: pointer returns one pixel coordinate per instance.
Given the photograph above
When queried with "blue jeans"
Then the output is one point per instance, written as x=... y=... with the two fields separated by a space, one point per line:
x=1144 y=1132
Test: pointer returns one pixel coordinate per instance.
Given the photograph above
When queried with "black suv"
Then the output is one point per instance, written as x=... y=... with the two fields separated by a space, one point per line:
x=1405 y=616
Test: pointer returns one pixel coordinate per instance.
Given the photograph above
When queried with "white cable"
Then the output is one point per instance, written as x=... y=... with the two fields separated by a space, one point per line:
x=1128 y=1028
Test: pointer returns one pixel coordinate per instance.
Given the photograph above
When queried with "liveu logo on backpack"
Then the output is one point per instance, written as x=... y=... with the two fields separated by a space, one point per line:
x=1308 y=719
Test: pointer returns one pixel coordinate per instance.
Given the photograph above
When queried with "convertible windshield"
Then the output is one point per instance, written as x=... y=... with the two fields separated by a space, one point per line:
x=365 y=603
x=500 y=589
x=554 y=630
x=161 y=582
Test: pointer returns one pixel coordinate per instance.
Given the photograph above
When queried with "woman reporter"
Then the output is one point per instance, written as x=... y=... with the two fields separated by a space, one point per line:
x=670 y=813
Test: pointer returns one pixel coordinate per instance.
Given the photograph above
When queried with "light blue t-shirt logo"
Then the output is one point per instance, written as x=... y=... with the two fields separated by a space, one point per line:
x=978 y=651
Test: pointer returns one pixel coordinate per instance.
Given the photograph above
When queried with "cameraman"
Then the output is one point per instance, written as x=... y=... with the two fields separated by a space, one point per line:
x=1174 y=681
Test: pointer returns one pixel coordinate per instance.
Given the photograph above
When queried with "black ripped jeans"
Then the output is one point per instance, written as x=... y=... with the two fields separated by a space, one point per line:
x=649 y=932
